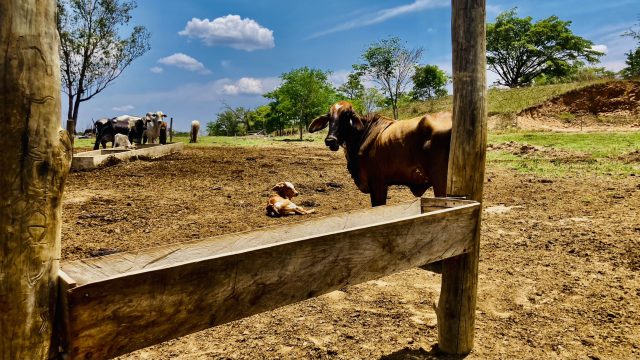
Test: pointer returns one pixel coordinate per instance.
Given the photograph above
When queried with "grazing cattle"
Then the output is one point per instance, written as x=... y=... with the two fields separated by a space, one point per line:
x=134 y=126
x=106 y=129
x=381 y=152
x=152 y=133
x=195 y=129
x=121 y=140
x=105 y=132
x=280 y=203
x=163 y=132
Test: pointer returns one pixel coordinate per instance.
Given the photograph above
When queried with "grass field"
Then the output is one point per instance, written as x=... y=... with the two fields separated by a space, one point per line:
x=569 y=153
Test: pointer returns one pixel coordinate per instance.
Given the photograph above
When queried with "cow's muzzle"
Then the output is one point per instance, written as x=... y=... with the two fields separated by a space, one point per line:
x=332 y=143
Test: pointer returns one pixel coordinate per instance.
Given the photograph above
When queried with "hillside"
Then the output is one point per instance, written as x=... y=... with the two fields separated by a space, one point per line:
x=553 y=107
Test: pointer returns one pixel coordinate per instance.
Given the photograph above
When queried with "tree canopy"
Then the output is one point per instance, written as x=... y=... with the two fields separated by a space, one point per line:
x=633 y=57
x=519 y=50
x=92 y=52
x=227 y=123
x=304 y=94
x=429 y=82
x=390 y=64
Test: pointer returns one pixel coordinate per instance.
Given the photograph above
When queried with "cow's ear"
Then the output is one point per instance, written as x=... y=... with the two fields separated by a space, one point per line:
x=319 y=123
x=356 y=122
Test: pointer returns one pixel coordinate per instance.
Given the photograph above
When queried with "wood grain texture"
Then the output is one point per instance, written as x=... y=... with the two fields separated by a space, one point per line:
x=33 y=166
x=106 y=315
x=456 y=307
x=93 y=269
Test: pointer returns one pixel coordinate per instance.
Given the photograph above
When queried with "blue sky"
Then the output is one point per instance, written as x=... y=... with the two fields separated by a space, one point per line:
x=206 y=52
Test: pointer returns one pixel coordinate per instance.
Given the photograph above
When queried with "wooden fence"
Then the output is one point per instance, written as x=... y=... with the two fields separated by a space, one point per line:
x=115 y=304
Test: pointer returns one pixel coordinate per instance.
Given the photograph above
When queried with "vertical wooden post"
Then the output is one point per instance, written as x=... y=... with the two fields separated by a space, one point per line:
x=171 y=130
x=35 y=160
x=456 y=307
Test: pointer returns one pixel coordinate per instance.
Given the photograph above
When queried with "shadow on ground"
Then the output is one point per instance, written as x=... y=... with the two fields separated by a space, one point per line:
x=421 y=354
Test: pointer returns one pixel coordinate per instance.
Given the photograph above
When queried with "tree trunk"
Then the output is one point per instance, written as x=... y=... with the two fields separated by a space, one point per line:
x=35 y=161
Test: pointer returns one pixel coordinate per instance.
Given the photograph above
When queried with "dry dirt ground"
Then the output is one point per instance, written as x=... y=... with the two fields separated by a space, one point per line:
x=559 y=269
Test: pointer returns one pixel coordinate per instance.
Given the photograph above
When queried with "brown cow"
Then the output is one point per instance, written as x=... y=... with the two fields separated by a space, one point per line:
x=382 y=152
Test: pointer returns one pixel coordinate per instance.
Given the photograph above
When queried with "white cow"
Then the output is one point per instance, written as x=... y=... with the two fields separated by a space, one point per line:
x=195 y=129
x=153 y=121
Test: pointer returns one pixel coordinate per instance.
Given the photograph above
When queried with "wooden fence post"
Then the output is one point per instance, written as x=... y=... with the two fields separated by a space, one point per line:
x=171 y=130
x=35 y=159
x=456 y=307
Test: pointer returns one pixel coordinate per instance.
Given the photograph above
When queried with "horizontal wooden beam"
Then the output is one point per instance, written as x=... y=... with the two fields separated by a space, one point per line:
x=111 y=312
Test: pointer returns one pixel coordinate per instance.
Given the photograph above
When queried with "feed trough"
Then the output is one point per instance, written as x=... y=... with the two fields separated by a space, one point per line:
x=177 y=289
x=89 y=160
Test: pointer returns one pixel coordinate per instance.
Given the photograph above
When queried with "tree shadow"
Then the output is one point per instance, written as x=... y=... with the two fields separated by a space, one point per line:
x=421 y=354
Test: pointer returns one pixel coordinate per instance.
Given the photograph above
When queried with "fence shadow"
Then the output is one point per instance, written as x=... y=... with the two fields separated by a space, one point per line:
x=421 y=354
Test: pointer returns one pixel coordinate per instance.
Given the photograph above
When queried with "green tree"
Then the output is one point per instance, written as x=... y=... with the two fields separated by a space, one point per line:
x=276 y=118
x=259 y=117
x=352 y=89
x=429 y=82
x=227 y=123
x=92 y=52
x=519 y=50
x=389 y=64
x=633 y=64
x=633 y=57
x=304 y=94
x=371 y=100
x=243 y=115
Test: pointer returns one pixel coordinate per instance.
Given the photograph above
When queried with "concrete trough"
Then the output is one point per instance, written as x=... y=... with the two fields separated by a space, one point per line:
x=90 y=160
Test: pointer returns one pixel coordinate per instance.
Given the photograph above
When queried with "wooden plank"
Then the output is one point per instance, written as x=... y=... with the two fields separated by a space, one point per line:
x=106 y=315
x=89 y=270
x=457 y=304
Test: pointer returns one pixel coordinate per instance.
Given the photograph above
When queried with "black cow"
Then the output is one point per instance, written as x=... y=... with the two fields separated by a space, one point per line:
x=106 y=129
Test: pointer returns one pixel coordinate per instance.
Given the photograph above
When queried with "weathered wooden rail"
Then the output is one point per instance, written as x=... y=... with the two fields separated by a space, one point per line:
x=174 y=290
x=94 y=159
x=115 y=304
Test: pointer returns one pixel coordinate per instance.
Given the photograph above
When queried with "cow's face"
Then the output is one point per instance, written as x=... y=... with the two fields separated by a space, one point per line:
x=285 y=189
x=155 y=117
x=340 y=119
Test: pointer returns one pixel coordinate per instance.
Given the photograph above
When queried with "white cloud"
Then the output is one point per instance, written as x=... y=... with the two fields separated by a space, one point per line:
x=225 y=64
x=384 y=15
x=186 y=62
x=600 y=48
x=231 y=30
x=123 y=108
x=248 y=86
x=157 y=70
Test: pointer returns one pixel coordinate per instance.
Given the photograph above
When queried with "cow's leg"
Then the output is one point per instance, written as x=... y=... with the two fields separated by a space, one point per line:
x=379 y=195
x=96 y=146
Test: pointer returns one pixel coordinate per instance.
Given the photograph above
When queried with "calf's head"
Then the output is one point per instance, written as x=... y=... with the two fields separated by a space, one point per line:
x=285 y=189
x=341 y=119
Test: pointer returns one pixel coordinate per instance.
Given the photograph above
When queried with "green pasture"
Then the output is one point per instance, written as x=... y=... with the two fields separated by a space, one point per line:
x=569 y=154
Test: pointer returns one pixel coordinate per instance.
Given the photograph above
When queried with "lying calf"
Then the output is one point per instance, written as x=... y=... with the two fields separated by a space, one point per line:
x=121 y=140
x=280 y=203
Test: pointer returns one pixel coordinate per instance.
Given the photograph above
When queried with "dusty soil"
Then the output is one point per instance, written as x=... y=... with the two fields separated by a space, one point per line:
x=559 y=269
x=611 y=105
